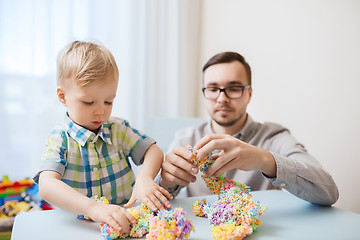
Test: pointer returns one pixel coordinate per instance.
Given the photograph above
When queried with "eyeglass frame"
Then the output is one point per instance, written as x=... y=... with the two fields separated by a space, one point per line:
x=224 y=90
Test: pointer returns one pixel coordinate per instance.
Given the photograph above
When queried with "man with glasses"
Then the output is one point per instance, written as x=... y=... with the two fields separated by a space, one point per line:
x=261 y=155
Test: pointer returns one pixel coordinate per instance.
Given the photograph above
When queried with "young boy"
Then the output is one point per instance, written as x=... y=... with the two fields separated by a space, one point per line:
x=88 y=154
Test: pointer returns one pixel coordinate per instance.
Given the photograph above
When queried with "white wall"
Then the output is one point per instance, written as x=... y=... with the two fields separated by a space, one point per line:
x=305 y=57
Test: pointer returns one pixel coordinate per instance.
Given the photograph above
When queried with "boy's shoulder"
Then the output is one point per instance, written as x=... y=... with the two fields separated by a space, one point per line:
x=58 y=136
x=118 y=124
x=59 y=129
x=117 y=120
x=120 y=127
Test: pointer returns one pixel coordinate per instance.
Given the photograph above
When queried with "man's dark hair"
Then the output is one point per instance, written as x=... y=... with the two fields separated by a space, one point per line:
x=227 y=57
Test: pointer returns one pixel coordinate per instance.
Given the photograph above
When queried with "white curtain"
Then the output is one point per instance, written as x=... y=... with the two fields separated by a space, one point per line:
x=155 y=44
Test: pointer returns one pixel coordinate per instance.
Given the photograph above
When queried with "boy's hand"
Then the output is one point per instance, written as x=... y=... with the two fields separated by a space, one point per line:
x=151 y=194
x=114 y=215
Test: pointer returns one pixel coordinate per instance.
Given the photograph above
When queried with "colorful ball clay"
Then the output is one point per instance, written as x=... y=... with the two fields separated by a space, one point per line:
x=215 y=184
x=234 y=215
x=109 y=233
x=169 y=225
x=230 y=231
x=141 y=213
x=235 y=207
x=198 y=207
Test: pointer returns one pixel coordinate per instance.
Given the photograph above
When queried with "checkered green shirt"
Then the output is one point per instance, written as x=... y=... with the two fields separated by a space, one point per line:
x=96 y=164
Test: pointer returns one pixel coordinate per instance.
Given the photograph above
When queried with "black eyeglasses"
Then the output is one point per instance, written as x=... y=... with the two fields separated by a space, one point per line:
x=231 y=92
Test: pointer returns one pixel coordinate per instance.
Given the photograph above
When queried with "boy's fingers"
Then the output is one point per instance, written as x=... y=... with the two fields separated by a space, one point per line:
x=122 y=220
x=130 y=202
x=150 y=205
x=163 y=199
x=111 y=221
x=130 y=217
x=165 y=192
x=155 y=200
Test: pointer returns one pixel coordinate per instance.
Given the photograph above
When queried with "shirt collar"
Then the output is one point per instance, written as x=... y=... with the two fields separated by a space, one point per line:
x=82 y=135
x=245 y=130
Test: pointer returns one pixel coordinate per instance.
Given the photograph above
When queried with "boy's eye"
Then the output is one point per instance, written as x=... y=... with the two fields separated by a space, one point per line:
x=108 y=103
x=88 y=103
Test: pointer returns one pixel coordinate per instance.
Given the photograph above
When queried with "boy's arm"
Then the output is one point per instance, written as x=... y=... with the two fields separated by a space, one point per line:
x=58 y=193
x=145 y=189
x=153 y=159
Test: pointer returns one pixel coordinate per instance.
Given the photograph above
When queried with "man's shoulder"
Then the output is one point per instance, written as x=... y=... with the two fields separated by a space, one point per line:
x=273 y=125
x=271 y=128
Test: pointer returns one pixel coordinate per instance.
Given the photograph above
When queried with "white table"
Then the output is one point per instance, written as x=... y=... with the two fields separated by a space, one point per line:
x=287 y=217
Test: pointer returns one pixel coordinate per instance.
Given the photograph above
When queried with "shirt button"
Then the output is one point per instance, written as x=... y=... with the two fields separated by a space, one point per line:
x=282 y=184
x=95 y=169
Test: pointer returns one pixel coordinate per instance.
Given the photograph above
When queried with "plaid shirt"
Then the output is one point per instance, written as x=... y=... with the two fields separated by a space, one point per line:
x=96 y=164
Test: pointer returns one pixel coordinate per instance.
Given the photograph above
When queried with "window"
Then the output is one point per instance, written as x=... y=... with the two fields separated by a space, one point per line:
x=144 y=37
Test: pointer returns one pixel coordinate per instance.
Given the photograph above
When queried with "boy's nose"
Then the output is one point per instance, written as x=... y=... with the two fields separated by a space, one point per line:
x=99 y=110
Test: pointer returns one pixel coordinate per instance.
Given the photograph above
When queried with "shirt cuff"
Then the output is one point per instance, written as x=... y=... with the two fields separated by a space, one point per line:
x=139 y=151
x=174 y=191
x=285 y=172
x=49 y=166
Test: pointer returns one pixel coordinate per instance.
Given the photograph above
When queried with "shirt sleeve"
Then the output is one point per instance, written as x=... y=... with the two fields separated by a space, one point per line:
x=54 y=157
x=133 y=142
x=300 y=173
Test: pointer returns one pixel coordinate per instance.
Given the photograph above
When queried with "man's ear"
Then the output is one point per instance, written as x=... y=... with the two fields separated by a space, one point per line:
x=250 y=95
x=61 y=95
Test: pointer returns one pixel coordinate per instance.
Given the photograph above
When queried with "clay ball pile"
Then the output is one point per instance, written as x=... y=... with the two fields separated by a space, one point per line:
x=165 y=224
x=235 y=214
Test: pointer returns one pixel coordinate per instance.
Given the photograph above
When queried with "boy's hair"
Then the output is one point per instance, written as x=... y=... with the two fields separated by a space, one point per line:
x=227 y=57
x=85 y=62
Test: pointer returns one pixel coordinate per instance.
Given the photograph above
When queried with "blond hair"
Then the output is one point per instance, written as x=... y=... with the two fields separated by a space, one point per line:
x=84 y=63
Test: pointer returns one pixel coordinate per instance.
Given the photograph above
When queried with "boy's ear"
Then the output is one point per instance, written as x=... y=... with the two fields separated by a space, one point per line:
x=61 y=95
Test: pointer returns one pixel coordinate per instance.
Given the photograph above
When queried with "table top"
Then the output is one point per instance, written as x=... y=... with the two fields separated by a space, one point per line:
x=287 y=217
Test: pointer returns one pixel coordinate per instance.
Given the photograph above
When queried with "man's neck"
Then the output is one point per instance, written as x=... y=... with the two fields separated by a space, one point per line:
x=230 y=130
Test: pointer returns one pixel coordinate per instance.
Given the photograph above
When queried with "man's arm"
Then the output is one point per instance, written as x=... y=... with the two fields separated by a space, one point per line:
x=289 y=166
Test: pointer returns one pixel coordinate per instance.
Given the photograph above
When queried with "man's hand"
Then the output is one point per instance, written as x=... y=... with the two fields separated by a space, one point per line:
x=178 y=169
x=234 y=154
